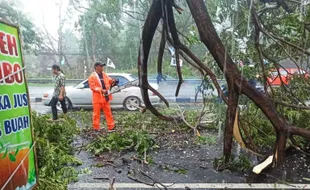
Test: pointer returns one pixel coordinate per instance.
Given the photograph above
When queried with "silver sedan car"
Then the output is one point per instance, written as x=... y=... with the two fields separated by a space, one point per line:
x=80 y=95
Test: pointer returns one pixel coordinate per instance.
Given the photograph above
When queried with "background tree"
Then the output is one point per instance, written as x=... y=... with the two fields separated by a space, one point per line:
x=112 y=29
x=12 y=13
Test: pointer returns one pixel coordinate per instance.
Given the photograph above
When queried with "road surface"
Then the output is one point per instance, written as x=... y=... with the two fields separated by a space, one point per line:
x=168 y=91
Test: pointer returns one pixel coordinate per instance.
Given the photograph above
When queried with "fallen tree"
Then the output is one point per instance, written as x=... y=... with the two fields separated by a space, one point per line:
x=237 y=83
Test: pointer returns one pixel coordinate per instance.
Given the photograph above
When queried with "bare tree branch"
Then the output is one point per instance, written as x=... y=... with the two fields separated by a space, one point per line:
x=127 y=13
x=196 y=132
x=291 y=105
x=272 y=36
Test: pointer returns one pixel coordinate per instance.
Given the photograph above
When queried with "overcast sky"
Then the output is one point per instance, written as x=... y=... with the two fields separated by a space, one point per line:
x=45 y=13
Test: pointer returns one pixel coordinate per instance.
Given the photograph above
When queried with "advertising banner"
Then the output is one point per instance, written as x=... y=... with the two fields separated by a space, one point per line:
x=17 y=157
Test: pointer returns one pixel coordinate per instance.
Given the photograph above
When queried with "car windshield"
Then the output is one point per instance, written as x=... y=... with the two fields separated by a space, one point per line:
x=274 y=73
x=81 y=83
x=282 y=73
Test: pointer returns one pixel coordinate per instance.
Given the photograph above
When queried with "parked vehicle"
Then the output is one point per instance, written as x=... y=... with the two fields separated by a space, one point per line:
x=242 y=100
x=80 y=95
x=285 y=75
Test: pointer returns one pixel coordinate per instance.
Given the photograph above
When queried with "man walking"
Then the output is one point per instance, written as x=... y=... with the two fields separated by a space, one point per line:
x=100 y=84
x=59 y=92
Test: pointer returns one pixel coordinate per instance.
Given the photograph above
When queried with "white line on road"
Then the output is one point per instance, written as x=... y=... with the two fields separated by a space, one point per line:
x=192 y=186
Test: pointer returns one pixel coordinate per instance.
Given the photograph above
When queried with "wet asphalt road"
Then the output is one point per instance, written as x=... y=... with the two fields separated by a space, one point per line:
x=168 y=91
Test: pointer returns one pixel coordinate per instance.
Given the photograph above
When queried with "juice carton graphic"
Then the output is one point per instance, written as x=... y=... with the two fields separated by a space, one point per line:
x=14 y=157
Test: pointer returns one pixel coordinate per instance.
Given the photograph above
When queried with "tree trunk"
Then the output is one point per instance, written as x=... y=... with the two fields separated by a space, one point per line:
x=230 y=119
x=280 y=146
x=94 y=46
x=211 y=40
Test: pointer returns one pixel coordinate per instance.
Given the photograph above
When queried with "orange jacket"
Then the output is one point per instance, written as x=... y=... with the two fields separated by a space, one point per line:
x=95 y=86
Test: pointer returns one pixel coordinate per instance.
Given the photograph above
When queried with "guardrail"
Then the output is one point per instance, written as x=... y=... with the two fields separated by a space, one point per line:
x=46 y=81
x=168 y=81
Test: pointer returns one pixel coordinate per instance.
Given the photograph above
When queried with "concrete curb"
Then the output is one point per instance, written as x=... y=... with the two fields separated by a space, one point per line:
x=183 y=99
x=190 y=186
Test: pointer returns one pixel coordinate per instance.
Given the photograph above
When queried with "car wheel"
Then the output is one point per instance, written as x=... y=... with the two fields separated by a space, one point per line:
x=68 y=104
x=131 y=103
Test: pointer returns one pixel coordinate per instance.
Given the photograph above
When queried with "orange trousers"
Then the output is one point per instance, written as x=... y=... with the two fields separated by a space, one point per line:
x=107 y=113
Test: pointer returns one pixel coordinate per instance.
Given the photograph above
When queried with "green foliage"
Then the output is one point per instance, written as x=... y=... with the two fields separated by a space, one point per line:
x=113 y=29
x=297 y=95
x=10 y=12
x=208 y=140
x=151 y=123
x=239 y=164
x=105 y=33
x=250 y=72
x=206 y=88
x=259 y=126
x=136 y=136
x=172 y=168
x=300 y=86
x=217 y=109
x=54 y=152
x=83 y=119
x=140 y=141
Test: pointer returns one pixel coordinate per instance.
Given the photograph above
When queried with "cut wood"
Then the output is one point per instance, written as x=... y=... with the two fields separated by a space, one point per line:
x=260 y=167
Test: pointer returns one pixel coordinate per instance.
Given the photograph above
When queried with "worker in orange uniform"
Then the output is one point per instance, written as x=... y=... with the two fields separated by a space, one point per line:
x=100 y=84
